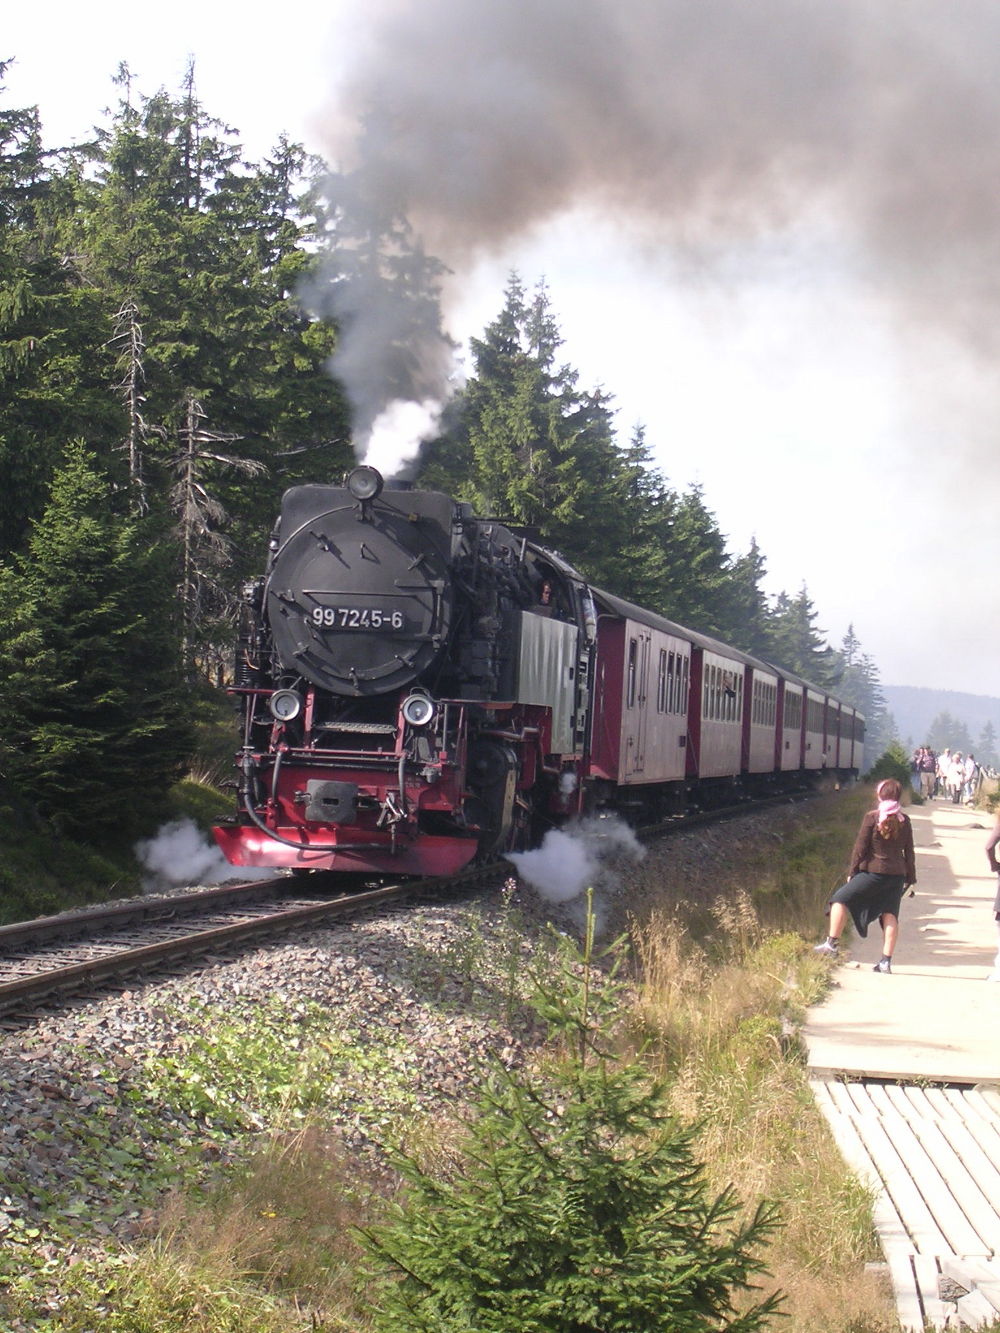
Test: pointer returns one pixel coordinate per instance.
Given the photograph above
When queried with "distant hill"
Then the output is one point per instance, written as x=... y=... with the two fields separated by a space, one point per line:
x=914 y=709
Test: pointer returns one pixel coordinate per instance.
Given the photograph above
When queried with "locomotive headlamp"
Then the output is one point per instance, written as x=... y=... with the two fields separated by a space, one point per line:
x=418 y=710
x=365 y=483
x=285 y=705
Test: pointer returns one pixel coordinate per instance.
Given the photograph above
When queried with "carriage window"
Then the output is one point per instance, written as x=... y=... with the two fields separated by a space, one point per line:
x=729 y=691
x=793 y=712
x=679 y=674
x=633 y=648
x=763 y=704
x=661 y=681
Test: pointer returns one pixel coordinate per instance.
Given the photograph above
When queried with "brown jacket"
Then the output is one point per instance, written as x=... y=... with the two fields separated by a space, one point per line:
x=884 y=856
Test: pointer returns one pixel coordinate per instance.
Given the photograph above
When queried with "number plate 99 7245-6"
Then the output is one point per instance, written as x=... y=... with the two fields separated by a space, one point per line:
x=356 y=617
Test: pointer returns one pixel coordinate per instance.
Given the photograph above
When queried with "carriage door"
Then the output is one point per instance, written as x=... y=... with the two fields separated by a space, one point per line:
x=636 y=693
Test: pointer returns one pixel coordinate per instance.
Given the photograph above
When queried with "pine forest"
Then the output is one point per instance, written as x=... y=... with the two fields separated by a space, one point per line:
x=165 y=348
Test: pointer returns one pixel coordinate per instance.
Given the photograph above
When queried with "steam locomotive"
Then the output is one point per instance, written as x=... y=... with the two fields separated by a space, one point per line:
x=420 y=687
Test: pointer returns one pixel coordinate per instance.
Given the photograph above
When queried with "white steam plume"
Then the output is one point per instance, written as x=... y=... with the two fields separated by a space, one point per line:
x=588 y=854
x=397 y=434
x=181 y=854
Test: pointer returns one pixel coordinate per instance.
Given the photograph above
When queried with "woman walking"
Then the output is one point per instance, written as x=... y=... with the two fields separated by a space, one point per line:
x=882 y=867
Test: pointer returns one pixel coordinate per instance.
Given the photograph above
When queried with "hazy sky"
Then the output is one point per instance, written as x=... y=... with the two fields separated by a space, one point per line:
x=771 y=231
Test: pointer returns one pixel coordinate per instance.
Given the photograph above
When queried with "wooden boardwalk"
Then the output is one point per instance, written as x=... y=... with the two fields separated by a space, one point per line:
x=906 y=1069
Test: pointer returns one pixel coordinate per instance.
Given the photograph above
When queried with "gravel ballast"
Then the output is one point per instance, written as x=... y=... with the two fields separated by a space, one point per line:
x=75 y=1078
x=437 y=989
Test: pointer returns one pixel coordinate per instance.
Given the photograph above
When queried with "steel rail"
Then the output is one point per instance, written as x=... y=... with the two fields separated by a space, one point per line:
x=86 y=919
x=194 y=944
x=15 y=992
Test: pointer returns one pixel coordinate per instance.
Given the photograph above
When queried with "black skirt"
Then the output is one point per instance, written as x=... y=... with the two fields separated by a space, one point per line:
x=868 y=895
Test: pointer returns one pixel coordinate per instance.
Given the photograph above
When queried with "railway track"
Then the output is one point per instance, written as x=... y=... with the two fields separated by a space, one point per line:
x=76 y=951
x=79 y=950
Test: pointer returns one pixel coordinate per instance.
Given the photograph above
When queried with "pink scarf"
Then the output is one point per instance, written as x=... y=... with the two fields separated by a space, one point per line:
x=886 y=810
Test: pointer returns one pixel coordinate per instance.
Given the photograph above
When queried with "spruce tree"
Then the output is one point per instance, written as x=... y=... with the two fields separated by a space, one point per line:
x=798 y=645
x=93 y=713
x=948 y=732
x=195 y=257
x=528 y=445
x=748 y=613
x=51 y=329
x=638 y=567
x=696 y=587
x=578 y=1205
x=859 y=685
x=986 y=746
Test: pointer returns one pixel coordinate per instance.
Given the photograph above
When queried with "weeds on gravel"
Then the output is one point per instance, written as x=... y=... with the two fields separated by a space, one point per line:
x=482 y=967
x=272 y=1061
x=155 y=1291
x=270 y=1249
x=723 y=976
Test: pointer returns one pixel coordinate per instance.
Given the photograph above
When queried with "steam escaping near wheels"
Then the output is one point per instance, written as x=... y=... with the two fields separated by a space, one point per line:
x=588 y=854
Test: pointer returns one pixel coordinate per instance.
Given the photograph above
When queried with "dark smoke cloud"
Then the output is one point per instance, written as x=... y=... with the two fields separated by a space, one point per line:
x=699 y=124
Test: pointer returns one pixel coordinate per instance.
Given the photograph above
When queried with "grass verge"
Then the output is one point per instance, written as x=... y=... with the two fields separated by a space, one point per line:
x=724 y=971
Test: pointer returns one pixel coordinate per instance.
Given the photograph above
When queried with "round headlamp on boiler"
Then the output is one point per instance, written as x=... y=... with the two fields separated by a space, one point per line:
x=418 y=710
x=285 y=705
x=365 y=483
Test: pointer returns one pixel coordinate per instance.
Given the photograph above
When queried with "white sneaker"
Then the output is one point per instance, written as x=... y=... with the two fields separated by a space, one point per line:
x=830 y=949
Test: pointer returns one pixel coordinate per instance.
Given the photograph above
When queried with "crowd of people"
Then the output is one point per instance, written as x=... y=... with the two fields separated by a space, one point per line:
x=949 y=775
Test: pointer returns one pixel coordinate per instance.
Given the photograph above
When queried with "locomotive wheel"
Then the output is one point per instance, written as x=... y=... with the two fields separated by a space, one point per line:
x=523 y=833
x=492 y=773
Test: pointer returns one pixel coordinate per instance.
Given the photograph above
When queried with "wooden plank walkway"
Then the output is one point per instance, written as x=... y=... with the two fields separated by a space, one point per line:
x=906 y=1069
x=931 y=1156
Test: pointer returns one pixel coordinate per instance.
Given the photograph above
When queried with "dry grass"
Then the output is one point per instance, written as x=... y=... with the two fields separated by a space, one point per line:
x=719 y=1002
x=271 y=1251
x=284 y=1225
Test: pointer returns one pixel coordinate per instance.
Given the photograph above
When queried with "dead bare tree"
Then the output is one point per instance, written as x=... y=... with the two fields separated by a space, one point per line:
x=127 y=340
x=201 y=517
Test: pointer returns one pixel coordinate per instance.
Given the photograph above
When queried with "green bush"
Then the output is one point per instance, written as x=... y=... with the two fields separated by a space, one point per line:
x=895 y=763
x=577 y=1207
